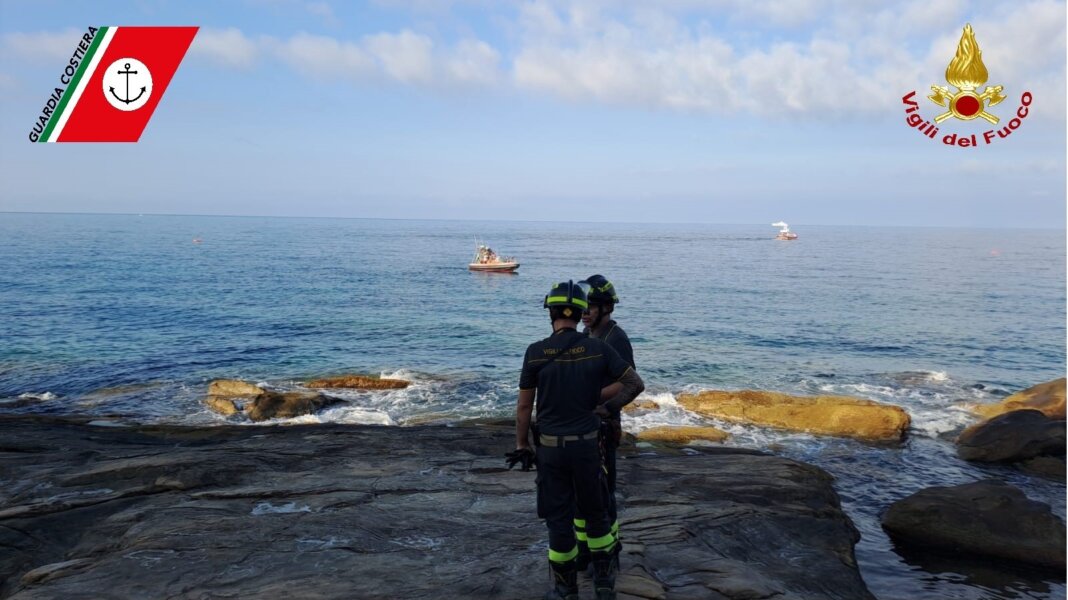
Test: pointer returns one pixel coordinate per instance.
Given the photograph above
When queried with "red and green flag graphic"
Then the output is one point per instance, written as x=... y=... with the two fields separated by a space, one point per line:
x=113 y=83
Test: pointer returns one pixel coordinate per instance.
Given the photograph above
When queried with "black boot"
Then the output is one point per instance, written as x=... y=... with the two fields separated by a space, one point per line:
x=582 y=561
x=604 y=575
x=565 y=581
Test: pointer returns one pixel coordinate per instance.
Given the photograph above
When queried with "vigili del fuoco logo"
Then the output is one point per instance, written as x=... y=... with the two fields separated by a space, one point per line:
x=966 y=73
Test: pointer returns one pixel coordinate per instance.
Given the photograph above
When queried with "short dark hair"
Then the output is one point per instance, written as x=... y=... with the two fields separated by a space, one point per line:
x=557 y=312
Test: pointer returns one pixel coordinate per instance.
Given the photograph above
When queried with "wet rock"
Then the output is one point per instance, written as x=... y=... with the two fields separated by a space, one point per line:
x=232 y=388
x=223 y=406
x=1049 y=467
x=1047 y=397
x=641 y=404
x=824 y=415
x=275 y=405
x=20 y=402
x=230 y=396
x=44 y=573
x=359 y=382
x=1013 y=436
x=987 y=518
x=681 y=435
x=334 y=511
x=116 y=394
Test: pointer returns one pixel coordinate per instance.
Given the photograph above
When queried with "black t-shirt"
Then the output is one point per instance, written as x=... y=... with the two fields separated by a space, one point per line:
x=618 y=340
x=569 y=387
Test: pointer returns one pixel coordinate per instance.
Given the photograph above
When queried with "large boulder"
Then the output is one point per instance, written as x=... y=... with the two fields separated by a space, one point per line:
x=1047 y=397
x=1011 y=437
x=359 y=382
x=824 y=415
x=988 y=518
x=682 y=435
x=286 y=405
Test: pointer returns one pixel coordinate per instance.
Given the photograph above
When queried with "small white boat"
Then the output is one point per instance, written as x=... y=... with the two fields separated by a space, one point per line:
x=784 y=233
x=488 y=260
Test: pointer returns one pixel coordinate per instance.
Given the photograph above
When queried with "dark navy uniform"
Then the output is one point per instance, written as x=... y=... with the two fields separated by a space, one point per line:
x=618 y=340
x=568 y=371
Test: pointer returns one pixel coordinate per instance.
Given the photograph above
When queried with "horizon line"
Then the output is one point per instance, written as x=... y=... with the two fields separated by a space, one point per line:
x=239 y=216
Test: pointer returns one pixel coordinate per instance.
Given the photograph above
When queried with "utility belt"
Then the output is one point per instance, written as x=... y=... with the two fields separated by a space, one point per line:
x=559 y=441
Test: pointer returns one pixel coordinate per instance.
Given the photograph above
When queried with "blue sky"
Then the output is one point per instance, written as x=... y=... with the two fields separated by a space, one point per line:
x=719 y=111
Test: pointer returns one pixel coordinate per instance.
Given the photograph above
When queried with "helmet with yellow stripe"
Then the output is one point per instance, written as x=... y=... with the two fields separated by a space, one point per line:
x=569 y=297
x=601 y=290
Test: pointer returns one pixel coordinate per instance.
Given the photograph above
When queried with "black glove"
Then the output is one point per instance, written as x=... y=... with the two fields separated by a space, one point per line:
x=522 y=456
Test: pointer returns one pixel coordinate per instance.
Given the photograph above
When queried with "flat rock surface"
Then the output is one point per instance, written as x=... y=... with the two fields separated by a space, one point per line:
x=333 y=511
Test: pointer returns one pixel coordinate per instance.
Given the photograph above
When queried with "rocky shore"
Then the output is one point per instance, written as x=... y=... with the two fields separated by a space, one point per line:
x=333 y=511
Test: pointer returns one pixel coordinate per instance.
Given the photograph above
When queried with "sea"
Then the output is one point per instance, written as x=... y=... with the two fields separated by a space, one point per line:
x=126 y=318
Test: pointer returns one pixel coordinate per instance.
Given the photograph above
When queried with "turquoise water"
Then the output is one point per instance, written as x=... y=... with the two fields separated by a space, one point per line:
x=126 y=317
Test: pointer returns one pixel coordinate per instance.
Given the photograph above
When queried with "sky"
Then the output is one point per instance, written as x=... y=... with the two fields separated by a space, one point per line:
x=695 y=111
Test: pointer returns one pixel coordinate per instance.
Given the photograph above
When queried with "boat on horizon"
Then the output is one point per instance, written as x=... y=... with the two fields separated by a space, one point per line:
x=784 y=233
x=489 y=261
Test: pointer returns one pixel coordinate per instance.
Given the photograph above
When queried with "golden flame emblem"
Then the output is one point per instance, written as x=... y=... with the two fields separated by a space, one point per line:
x=966 y=72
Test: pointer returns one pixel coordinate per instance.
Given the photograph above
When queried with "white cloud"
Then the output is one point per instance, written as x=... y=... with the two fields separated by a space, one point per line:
x=473 y=62
x=784 y=13
x=325 y=57
x=226 y=47
x=823 y=59
x=323 y=10
x=405 y=57
x=855 y=60
x=43 y=46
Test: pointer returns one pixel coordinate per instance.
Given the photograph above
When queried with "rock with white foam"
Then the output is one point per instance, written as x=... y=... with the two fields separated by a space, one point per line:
x=358 y=382
x=230 y=397
x=1047 y=397
x=233 y=388
x=285 y=405
x=843 y=416
x=640 y=405
x=680 y=434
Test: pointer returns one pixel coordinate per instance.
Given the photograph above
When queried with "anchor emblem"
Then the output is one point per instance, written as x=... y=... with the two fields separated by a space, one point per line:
x=127 y=75
x=128 y=99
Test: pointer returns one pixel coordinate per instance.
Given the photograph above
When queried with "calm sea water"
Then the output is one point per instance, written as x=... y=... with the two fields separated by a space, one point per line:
x=126 y=318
